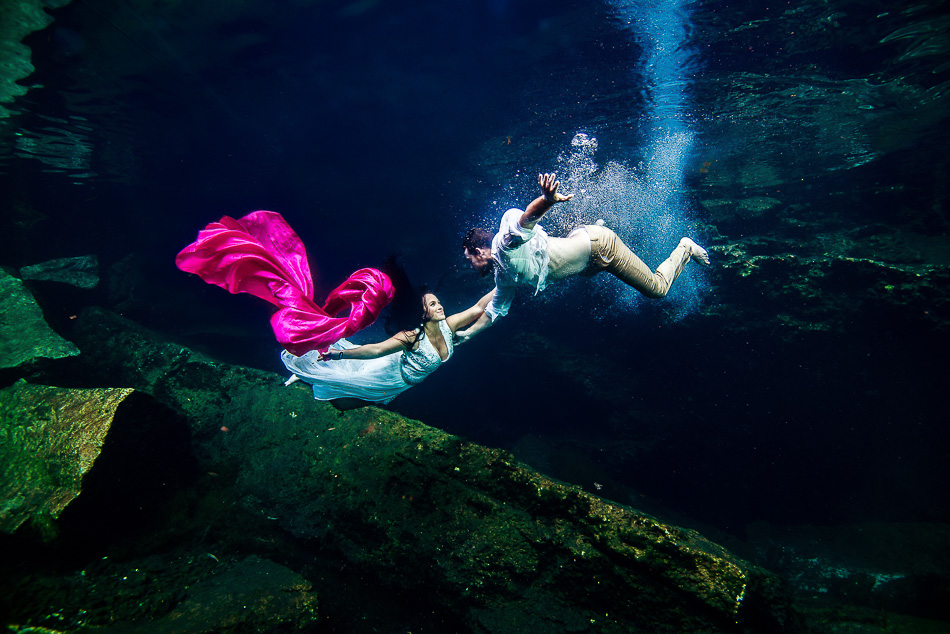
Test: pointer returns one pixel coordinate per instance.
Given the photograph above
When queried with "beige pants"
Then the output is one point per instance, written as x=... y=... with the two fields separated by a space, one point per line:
x=608 y=252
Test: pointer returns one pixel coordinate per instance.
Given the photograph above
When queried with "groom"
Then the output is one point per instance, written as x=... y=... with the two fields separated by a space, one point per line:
x=522 y=254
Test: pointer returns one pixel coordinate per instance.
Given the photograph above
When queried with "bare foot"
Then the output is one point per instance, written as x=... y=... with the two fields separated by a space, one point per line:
x=696 y=252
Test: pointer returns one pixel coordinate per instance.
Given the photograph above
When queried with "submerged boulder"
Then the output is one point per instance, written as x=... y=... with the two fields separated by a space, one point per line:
x=120 y=448
x=52 y=436
x=117 y=351
x=24 y=335
x=502 y=546
x=252 y=595
x=81 y=271
x=827 y=292
x=901 y=567
x=17 y=20
x=499 y=543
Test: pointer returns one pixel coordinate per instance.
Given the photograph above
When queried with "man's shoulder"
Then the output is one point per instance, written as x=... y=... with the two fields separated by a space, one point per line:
x=511 y=234
x=511 y=219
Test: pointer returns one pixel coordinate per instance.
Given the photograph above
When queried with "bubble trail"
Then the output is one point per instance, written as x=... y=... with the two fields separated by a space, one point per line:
x=645 y=199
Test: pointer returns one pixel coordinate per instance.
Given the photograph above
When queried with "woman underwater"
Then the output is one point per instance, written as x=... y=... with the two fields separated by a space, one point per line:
x=353 y=376
x=261 y=255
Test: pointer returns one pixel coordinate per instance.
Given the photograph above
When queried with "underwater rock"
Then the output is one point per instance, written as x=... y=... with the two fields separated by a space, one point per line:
x=24 y=335
x=209 y=393
x=830 y=294
x=52 y=436
x=253 y=595
x=127 y=278
x=725 y=211
x=900 y=567
x=81 y=271
x=121 y=449
x=503 y=546
x=17 y=20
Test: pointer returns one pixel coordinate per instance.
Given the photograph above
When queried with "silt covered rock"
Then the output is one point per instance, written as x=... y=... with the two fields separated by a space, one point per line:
x=253 y=595
x=24 y=335
x=120 y=448
x=51 y=438
x=501 y=544
x=81 y=271
x=411 y=507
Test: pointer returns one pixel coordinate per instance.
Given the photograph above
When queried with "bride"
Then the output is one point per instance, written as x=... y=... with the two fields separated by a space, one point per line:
x=352 y=376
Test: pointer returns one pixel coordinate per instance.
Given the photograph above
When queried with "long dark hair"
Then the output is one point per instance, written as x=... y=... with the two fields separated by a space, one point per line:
x=407 y=311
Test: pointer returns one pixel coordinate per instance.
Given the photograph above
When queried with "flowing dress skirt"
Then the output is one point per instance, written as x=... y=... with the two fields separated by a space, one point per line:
x=375 y=380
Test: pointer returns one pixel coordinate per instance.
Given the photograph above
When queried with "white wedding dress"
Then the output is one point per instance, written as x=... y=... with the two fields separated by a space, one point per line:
x=375 y=380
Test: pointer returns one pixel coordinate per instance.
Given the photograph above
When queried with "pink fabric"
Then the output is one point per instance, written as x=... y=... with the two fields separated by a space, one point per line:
x=260 y=254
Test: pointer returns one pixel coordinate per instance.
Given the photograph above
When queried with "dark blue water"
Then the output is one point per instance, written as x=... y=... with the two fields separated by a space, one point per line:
x=377 y=129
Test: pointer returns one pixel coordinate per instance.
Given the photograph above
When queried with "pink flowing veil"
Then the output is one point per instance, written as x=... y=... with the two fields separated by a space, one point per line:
x=261 y=255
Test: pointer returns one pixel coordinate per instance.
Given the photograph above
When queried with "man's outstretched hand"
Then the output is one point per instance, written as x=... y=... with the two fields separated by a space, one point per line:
x=549 y=185
x=540 y=205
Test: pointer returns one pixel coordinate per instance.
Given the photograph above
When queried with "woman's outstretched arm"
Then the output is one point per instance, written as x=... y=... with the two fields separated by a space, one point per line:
x=394 y=344
x=464 y=318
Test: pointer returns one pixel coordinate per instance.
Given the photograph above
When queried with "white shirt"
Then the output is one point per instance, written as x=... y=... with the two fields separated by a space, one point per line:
x=522 y=259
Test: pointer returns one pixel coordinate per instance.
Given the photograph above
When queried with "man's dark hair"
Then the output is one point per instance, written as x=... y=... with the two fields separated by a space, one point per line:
x=477 y=238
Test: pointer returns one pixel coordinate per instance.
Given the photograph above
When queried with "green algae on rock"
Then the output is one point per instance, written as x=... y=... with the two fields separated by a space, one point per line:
x=81 y=271
x=17 y=20
x=826 y=293
x=117 y=351
x=498 y=542
x=51 y=438
x=413 y=507
x=252 y=595
x=24 y=335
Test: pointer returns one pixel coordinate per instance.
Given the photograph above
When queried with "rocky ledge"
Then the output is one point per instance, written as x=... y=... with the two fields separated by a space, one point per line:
x=417 y=511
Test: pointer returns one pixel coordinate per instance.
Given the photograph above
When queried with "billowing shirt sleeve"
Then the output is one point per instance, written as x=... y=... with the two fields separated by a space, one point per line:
x=512 y=234
x=500 y=302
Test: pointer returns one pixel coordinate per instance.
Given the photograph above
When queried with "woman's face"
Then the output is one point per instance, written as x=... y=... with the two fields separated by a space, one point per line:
x=432 y=307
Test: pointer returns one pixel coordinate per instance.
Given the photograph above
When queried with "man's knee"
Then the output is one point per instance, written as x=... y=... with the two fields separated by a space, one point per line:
x=657 y=293
x=620 y=261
